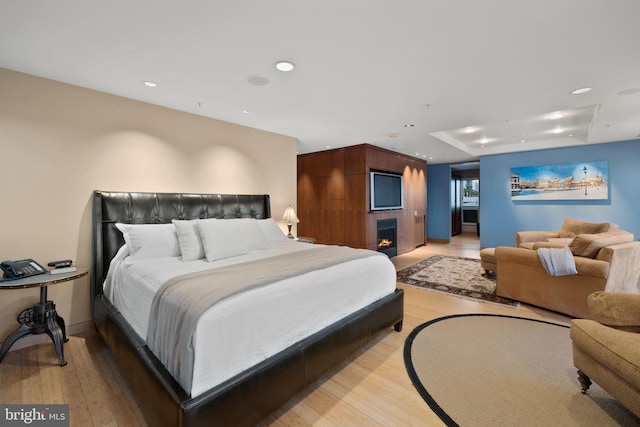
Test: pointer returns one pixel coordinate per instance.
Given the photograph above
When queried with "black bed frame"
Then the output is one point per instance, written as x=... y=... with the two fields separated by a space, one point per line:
x=250 y=396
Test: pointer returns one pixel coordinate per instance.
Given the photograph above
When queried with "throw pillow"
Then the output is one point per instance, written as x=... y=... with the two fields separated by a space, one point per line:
x=150 y=240
x=251 y=234
x=221 y=238
x=588 y=245
x=189 y=239
x=271 y=230
x=573 y=227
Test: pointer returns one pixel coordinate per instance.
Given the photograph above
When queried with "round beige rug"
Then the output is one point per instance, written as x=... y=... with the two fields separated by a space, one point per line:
x=490 y=370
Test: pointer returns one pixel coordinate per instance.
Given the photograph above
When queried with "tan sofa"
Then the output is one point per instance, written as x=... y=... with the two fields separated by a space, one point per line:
x=570 y=229
x=608 y=260
x=607 y=349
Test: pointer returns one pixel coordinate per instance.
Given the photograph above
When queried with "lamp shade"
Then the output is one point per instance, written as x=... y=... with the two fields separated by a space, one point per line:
x=289 y=216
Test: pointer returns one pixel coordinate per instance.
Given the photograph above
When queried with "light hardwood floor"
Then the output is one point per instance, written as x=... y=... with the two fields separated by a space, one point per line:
x=371 y=388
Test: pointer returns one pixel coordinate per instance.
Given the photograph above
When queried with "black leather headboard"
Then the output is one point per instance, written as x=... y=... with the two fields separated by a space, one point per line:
x=110 y=208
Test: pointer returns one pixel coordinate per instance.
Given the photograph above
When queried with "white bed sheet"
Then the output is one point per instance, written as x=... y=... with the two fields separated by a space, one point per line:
x=247 y=328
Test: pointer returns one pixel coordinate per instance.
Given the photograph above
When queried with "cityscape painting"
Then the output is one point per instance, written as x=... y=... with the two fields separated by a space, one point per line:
x=568 y=181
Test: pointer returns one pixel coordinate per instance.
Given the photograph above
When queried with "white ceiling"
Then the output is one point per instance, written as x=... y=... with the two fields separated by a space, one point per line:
x=364 y=68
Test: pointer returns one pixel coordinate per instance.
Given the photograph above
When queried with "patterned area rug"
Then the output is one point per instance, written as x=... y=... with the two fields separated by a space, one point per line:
x=453 y=275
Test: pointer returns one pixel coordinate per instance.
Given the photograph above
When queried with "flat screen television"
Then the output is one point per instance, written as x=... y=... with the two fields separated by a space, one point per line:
x=386 y=191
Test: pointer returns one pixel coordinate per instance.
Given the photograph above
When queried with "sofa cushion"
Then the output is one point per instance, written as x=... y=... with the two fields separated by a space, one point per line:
x=549 y=244
x=588 y=245
x=573 y=227
x=617 y=350
x=560 y=240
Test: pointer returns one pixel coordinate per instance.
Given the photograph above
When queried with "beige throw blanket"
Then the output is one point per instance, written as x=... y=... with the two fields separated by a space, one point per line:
x=179 y=303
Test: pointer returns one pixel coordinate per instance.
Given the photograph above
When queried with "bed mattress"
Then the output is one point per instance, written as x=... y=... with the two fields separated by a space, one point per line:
x=249 y=327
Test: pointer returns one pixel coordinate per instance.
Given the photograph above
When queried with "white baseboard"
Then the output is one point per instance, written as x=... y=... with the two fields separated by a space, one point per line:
x=30 y=340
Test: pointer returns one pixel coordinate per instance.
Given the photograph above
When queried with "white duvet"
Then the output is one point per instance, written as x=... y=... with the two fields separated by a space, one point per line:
x=247 y=328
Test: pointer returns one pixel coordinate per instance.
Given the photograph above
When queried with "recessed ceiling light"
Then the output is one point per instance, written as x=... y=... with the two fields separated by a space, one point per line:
x=629 y=91
x=285 y=66
x=522 y=140
x=409 y=125
x=557 y=115
x=245 y=111
x=580 y=90
x=258 y=81
x=486 y=140
x=470 y=129
x=150 y=84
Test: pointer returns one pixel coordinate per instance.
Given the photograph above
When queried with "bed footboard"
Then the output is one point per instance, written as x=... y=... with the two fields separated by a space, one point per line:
x=249 y=397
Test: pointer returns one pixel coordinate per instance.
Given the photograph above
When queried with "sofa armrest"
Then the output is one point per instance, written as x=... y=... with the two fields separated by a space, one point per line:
x=620 y=311
x=508 y=255
x=534 y=236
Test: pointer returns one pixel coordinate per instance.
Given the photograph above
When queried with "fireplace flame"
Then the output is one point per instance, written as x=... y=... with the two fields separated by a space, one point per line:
x=385 y=243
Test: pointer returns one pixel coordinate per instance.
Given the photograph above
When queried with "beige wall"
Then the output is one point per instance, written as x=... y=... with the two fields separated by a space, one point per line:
x=58 y=143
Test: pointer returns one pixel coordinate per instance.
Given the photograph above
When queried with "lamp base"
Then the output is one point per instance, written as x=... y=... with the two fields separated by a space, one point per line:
x=290 y=235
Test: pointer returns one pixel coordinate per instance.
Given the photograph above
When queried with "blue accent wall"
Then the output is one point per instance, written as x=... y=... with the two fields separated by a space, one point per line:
x=438 y=202
x=500 y=217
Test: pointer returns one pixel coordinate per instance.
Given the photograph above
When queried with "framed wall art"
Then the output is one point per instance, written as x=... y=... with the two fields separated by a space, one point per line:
x=566 y=181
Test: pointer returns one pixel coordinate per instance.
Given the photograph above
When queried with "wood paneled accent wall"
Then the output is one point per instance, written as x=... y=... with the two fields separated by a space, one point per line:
x=333 y=197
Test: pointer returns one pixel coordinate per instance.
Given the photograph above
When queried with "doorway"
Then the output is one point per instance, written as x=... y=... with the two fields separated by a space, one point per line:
x=465 y=198
x=456 y=204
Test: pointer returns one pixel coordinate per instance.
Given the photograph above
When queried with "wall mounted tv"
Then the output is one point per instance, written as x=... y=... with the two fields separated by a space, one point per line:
x=386 y=191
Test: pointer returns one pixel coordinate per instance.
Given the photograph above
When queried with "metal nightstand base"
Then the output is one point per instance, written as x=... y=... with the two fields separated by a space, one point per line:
x=42 y=318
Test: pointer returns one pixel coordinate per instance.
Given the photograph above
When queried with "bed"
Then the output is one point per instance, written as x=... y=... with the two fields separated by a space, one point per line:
x=256 y=390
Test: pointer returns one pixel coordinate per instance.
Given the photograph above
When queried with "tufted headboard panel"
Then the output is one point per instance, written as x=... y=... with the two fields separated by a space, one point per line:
x=110 y=208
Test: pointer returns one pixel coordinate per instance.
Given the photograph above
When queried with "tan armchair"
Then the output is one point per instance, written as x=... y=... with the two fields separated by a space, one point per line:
x=604 y=261
x=607 y=349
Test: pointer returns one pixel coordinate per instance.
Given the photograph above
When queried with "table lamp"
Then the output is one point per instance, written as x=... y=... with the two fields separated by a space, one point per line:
x=290 y=218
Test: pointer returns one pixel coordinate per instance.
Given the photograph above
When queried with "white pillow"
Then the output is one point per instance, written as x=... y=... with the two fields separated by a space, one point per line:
x=221 y=238
x=271 y=230
x=189 y=239
x=251 y=233
x=150 y=240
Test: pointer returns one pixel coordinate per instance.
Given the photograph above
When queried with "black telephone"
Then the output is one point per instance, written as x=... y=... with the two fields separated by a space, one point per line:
x=23 y=268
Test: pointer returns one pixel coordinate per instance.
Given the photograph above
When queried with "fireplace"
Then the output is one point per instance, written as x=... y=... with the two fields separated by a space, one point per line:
x=387 y=235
